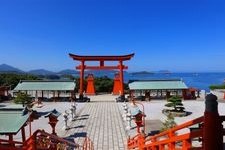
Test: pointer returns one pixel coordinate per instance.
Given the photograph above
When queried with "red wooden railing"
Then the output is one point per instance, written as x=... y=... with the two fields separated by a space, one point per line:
x=43 y=140
x=171 y=139
x=11 y=145
x=88 y=144
x=209 y=133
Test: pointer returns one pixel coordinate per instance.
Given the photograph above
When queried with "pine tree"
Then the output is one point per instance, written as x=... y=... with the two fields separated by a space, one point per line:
x=23 y=98
x=169 y=123
x=176 y=103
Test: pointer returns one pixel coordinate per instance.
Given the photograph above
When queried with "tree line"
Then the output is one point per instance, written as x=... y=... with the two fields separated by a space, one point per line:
x=102 y=84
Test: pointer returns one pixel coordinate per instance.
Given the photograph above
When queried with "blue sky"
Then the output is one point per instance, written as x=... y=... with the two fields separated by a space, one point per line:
x=175 y=35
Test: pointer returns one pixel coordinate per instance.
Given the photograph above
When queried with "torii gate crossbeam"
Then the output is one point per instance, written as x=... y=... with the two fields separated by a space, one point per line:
x=101 y=66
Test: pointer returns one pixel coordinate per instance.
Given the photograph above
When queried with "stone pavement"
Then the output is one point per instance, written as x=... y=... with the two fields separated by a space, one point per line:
x=101 y=121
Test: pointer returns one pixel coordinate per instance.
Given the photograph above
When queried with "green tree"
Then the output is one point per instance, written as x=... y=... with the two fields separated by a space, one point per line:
x=169 y=123
x=213 y=87
x=12 y=79
x=103 y=84
x=23 y=98
x=176 y=103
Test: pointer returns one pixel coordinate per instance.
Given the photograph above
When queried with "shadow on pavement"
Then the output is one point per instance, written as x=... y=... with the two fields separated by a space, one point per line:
x=76 y=135
x=81 y=118
x=2 y=105
x=87 y=115
x=80 y=126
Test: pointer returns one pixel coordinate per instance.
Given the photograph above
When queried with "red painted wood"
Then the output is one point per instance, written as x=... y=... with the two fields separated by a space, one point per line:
x=81 y=78
x=90 y=85
x=98 y=58
x=121 y=77
x=100 y=67
x=117 y=84
x=23 y=134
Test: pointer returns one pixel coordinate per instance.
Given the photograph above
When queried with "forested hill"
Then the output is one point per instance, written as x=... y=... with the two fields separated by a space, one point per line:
x=102 y=84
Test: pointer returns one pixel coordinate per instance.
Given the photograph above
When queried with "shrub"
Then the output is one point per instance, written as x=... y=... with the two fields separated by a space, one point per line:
x=23 y=98
x=169 y=123
x=176 y=103
x=213 y=87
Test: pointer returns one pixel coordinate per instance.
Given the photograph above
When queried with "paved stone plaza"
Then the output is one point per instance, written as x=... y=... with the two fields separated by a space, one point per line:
x=101 y=120
x=102 y=123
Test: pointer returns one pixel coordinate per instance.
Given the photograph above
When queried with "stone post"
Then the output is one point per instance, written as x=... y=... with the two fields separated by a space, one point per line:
x=212 y=127
x=125 y=113
x=65 y=119
x=71 y=112
x=128 y=127
x=74 y=105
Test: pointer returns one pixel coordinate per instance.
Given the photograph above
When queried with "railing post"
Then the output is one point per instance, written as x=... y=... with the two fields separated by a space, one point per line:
x=212 y=129
x=161 y=147
x=32 y=143
x=171 y=144
x=154 y=147
x=186 y=144
x=141 y=142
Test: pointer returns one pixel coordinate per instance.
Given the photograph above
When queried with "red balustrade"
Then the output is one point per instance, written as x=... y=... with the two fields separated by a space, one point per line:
x=178 y=137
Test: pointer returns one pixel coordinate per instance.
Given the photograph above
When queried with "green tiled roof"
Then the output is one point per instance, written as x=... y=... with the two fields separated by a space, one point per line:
x=157 y=85
x=12 y=119
x=45 y=85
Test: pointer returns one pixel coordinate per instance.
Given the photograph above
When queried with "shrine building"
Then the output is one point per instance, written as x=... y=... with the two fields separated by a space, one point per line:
x=46 y=89
x=157 y=89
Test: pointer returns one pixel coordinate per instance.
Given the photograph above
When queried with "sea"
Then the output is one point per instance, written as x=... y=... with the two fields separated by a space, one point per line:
x=201 y=81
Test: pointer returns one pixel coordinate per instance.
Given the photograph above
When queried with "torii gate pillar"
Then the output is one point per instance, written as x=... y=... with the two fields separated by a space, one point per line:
x=101 y=66
x=81 y=96
x=121 y=80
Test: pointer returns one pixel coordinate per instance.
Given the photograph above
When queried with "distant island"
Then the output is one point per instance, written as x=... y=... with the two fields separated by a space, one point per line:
x=142 y=73
x=5 y=68
x=164 y=71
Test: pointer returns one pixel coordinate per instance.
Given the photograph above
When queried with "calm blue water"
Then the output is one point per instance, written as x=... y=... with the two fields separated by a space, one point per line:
x=201 y=81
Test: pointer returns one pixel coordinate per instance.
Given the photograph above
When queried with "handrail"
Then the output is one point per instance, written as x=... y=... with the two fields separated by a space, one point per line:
x=170 y=137
x=59 y=139
x=88 y=144
x=35 y=141
x=178 y=127
x=40 y=135
x=10 y=142
x=11 y=145
x=133 y=142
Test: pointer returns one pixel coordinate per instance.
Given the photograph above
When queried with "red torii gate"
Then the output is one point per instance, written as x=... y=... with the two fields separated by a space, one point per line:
x=101 y=66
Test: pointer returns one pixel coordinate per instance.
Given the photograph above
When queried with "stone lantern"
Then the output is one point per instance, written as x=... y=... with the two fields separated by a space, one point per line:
x=53 y=115
x=128 y=127
x=65 y=119
x=138 y=118
x=73 y=111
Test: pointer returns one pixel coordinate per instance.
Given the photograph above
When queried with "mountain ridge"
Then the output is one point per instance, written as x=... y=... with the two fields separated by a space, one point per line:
x=9 y=69
x=5 y=68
